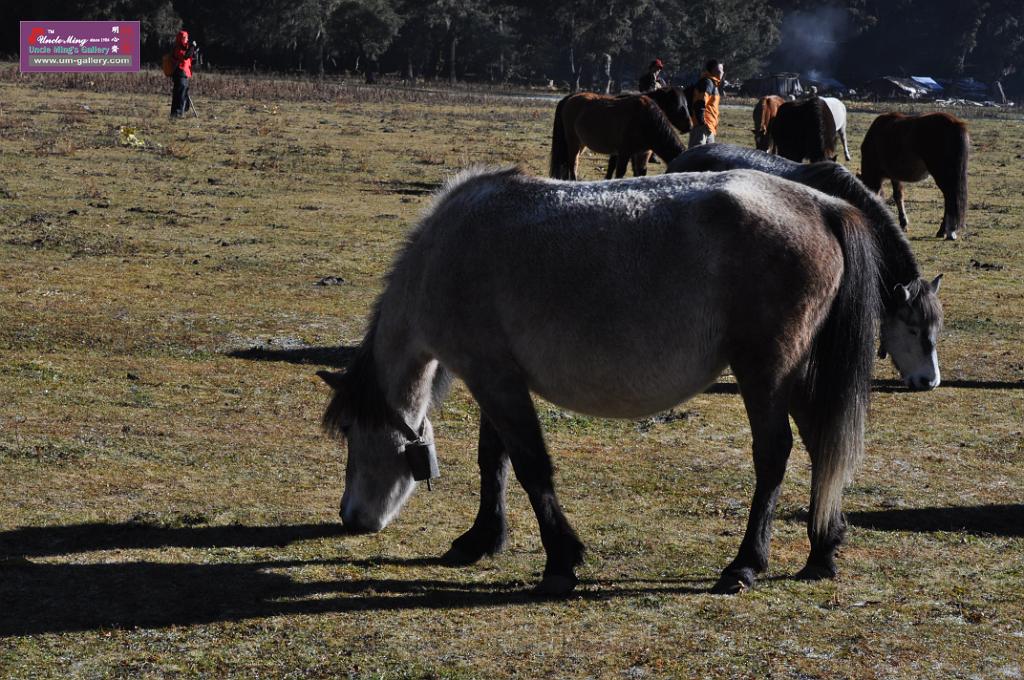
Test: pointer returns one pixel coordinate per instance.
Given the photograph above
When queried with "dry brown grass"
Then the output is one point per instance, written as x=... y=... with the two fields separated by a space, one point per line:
x=169 y=507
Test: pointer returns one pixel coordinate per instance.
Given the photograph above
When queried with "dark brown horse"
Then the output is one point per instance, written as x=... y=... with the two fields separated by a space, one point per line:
x=626 y=127
x=764 y=113
x=805 y=129
x=904 y=148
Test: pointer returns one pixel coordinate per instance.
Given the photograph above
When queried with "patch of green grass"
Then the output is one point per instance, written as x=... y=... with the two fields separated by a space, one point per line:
x=169 y=508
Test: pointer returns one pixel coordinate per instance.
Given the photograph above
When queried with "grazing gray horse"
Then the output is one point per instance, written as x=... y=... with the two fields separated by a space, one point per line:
x=622 y=299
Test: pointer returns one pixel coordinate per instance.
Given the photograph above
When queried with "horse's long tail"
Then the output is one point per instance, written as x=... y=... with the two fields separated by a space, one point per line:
x=960 y=195
x=559 y=168
x=837 y=386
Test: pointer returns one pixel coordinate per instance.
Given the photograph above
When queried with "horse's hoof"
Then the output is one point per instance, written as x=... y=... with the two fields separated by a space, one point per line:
x=473 y=546
x=951 y=236
x=555 y=585
x=816 y=572
x=456 y=557
x=734 y=582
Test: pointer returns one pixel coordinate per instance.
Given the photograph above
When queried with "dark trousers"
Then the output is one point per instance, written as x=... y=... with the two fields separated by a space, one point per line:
x=179 y=95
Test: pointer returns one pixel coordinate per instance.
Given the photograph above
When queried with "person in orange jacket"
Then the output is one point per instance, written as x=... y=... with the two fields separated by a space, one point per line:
x=182 y=55
x=704 y=109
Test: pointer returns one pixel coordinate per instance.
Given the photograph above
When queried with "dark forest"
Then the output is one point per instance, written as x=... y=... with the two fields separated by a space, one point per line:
x=574 y=43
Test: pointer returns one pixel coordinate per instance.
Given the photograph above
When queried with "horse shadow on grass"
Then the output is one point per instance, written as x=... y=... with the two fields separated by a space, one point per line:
x=335 y=357
x=38 y=595
x=981 y=520
x=887 y=385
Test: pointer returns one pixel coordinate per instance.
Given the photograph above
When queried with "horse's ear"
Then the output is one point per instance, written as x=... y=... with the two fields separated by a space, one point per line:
x=901 y=293
x=936 y=283
x=335 y=379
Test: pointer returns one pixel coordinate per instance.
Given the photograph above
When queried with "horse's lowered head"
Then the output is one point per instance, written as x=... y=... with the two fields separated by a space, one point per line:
x=386 y=454
x=910 y=328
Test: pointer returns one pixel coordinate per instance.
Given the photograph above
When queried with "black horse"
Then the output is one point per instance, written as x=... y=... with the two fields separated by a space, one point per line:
x=805 y=129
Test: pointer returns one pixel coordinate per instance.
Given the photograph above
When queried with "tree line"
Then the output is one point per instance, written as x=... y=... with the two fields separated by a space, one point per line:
x=582 y=43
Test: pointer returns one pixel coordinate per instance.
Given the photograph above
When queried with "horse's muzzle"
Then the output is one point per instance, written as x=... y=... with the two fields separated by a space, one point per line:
x=922 y=384
x=354 y=525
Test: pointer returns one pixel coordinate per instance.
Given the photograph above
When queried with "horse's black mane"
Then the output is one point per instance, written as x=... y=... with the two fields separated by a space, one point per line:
x=668 y=98
x=661 y=135
x=362 y=398
x=672 y=101
x=898 y=262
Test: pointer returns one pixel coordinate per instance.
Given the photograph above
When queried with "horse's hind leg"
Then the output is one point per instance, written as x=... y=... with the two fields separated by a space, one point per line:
x=950 y=217
x=821 y=561
x=505 y=402
x=767 y=410
x=489 y=532
x=639 y=163
x=897 y=196
x=846 y=147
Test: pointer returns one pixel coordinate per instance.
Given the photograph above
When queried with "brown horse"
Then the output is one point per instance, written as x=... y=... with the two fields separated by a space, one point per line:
x=805 y=129
x=764 y=112
x=904 y=148
x=626 y=127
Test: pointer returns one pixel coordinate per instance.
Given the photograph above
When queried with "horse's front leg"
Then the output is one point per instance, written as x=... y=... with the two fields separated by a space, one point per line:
x=612 y=161
x=489 y=532
x=846 y=147
x=773 y=439
x=505 y=402
x=574 y=151
x=897 y=196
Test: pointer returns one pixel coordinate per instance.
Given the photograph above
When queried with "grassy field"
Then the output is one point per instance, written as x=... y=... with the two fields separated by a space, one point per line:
x=168 y=504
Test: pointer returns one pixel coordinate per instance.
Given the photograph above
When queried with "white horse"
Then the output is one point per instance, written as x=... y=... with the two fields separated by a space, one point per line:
x=621 y=299
x=838 y=110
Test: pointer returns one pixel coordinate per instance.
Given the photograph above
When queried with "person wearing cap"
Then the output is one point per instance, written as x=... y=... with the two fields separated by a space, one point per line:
x=652 y=80
x=182 y=56
x=707 y=94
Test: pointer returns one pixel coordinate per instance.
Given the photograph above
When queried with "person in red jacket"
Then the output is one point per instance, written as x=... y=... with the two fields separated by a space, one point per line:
x=182 y=55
